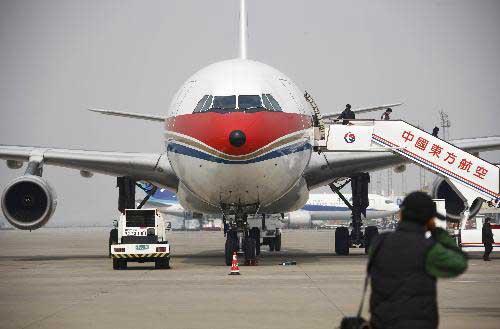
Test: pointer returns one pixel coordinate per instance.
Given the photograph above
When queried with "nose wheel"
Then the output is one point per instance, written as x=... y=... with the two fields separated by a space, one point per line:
x=247 y=246
x=231 y=246
x=242 y=240
x=255 y=234
x=250 y=252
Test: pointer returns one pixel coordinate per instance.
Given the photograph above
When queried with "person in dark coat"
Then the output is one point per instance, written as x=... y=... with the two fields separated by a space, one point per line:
x=435 y=131
x=487 y=239
x=386 y=115
x=405 y=265
x=347 y=113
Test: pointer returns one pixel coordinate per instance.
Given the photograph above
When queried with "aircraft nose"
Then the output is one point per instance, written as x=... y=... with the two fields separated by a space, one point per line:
x=237 y=138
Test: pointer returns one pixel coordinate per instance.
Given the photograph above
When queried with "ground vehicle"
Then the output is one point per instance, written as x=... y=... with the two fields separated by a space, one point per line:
x=470 y=234
x=140 y=236
x=269 y=231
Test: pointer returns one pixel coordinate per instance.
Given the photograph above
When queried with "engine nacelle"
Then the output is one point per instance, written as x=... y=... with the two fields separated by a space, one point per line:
x=28 y=202
x=299 y=218
x=453 y=202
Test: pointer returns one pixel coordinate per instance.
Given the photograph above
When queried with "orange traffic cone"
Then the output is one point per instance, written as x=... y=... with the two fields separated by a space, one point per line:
x=235 y=269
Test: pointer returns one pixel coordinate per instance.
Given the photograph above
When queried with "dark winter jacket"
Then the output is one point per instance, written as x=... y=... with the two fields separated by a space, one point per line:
x=487 y=233
x=403 y=276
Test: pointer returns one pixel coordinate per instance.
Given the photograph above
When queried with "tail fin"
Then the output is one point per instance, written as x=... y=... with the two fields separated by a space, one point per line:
x=161 y=196
x=243 y=29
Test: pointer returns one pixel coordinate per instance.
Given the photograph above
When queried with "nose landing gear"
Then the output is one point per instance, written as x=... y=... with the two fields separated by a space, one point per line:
x=232 y=246
x=241 y=239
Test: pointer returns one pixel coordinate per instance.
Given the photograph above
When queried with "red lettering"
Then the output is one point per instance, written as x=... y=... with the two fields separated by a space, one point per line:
x=481 y=172
x=407 y=136
x=421 y=143
x=435 y=150
x=465 y=165
x=450 y=158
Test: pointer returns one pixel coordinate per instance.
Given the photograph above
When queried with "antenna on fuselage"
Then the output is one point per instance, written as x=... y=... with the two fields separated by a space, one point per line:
x=243 y=29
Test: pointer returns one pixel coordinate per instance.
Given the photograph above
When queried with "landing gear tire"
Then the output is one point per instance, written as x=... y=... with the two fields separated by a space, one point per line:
x=277 y=242
x=119 y=264
x=249 y=247
x=162 y=263
x=342 y=241
x=230 y=247
x=113 y=239
x=370 y=233
x=255 y=234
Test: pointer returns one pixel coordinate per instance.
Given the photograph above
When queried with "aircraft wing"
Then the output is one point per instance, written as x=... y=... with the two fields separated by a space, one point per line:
x=130 y=115
x=324 y=168
x=361 y=110
x=152 y=167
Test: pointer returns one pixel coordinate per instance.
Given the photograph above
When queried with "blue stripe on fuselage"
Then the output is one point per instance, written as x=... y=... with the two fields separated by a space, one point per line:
x=313 y=207
x=185 y=150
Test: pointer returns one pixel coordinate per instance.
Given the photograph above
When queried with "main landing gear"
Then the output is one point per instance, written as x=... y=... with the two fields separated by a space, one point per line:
x=360 y=201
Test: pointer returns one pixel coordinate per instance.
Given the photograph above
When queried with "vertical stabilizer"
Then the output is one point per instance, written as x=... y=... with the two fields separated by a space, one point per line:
x=243 y=29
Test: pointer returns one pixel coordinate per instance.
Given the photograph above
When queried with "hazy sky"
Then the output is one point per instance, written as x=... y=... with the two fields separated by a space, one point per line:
x=58 y=58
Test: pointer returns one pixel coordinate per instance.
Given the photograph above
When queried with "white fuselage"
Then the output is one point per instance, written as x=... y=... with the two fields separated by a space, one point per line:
x=327 y=206
x=218 y=169
x=328 y=201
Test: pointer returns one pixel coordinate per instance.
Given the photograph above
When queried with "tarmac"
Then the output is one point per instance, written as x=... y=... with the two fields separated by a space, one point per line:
x=62 y=278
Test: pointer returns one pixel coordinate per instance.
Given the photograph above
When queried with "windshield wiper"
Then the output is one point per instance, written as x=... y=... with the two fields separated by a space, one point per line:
x=254 y=109
x=221 y=109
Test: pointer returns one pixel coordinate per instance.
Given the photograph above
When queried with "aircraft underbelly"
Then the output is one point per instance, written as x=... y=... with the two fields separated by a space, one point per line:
x=216 y=183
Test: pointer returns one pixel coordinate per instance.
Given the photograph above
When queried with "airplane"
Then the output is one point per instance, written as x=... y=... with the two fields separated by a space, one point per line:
x=238 y=141
x=161 y=198
x=325 y=206
x=319 y=207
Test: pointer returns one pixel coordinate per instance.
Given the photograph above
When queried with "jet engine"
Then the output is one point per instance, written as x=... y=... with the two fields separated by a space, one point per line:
x=299 y=218
x=28 y=202
x=454 y=204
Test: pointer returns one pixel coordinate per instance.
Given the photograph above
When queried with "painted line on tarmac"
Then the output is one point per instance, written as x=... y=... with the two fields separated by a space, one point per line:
x=329 y=300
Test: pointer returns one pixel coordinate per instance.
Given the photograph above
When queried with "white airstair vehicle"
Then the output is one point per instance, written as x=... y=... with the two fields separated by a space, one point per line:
x=473 y=179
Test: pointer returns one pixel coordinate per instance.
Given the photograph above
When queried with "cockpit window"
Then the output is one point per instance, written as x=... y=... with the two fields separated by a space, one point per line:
x=200 y=104
x=224 y=102
x=249 y=102
x=274 y=102
x=267 y=102
x=246 y=103
x=207 y=104
x=270 y=103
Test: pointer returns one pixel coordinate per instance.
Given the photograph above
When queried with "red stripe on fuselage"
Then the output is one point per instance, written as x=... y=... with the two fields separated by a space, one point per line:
x=260 y=128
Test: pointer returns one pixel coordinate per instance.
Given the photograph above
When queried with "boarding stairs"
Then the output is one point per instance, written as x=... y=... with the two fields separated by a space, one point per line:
x=470 y=176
